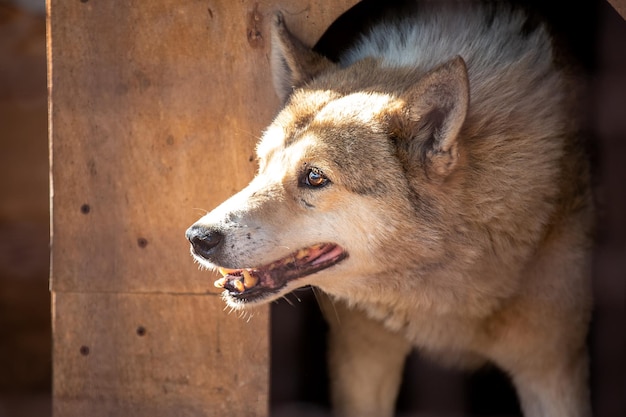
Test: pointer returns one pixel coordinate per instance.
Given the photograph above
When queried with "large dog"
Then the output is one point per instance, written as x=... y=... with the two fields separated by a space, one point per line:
x=432 y=185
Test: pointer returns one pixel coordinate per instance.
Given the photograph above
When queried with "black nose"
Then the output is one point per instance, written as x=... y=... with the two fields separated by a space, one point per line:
x=204 y=240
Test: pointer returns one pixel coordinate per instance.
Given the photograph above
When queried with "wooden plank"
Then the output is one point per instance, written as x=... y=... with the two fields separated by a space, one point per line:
x=157 y=355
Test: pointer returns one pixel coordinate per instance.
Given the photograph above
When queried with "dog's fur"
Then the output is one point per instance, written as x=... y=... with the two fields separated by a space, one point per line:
x=456 y=186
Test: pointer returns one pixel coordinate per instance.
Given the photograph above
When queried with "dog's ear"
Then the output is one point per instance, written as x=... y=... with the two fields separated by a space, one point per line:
x=435 y=107
x=292 y=62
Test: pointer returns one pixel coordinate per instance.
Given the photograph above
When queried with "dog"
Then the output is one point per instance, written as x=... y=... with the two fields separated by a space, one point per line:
x=432 y=184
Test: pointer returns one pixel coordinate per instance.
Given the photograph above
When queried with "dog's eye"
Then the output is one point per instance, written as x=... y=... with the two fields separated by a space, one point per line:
x=314 y=178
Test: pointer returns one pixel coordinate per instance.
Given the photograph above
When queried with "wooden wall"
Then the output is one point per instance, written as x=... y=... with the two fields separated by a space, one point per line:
x=155 y=108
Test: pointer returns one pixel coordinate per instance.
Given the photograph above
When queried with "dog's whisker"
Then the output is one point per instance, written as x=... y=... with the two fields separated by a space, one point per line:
x=246 y=132
x=284 y=297
x=250 y=315
x=318 y=294
x=201 y=210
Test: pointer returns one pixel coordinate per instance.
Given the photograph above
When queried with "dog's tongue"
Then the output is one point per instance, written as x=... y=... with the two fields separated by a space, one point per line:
x=276 y=274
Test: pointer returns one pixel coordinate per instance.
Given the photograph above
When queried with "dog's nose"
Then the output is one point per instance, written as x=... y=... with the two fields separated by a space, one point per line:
x=204 y=240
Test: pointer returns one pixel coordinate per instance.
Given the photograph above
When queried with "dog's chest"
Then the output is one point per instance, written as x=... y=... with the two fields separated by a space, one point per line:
x=427 y=328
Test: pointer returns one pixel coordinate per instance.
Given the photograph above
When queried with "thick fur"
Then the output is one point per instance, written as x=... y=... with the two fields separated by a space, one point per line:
x=458 y=190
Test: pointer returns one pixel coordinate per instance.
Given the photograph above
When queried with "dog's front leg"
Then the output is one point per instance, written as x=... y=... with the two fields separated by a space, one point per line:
x=365 y=362
x=557 y=390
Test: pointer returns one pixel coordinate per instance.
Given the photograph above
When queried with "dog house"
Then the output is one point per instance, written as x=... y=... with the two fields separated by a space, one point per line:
x=155 y=109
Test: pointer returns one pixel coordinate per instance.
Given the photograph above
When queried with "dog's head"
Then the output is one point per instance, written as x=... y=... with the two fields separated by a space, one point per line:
x=335 y=190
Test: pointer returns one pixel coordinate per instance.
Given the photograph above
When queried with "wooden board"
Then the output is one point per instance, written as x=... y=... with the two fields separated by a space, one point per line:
x=156 y=355
x=155 y=109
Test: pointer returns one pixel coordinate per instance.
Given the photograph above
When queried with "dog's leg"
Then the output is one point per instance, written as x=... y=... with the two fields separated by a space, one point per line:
x=539 y=337
x=365 y=362
x=542 y=346
x=557 y=390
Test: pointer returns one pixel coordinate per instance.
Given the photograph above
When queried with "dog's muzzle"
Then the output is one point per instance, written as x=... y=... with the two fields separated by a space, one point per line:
x=249 y=284
x=204 y=241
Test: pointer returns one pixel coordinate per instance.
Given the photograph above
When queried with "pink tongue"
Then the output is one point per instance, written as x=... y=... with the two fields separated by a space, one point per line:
x=336 y=251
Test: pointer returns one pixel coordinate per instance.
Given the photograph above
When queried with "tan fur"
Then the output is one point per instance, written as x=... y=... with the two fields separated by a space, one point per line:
x=463 y=202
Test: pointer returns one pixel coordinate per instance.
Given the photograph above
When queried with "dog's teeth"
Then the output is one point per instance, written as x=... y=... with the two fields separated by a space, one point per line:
x=220 y=283
x=249 y=280
x=226 y=271
x=238 y=285
x=301 y=254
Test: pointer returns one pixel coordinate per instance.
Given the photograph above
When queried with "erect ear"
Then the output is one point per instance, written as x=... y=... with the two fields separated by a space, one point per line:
x=436 y=107
x=292 y=62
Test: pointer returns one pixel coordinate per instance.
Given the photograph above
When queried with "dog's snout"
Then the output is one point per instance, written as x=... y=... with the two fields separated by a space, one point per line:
x=204 y=240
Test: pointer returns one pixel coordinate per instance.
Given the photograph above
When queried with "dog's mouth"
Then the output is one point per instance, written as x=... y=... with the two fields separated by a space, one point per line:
x=251 y=284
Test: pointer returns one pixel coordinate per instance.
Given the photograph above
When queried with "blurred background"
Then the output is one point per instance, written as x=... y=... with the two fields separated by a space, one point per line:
x=25 y=331
x=598 y=36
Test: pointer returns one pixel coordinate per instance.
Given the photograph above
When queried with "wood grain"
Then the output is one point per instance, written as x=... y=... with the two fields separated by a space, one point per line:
x=157 y=355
